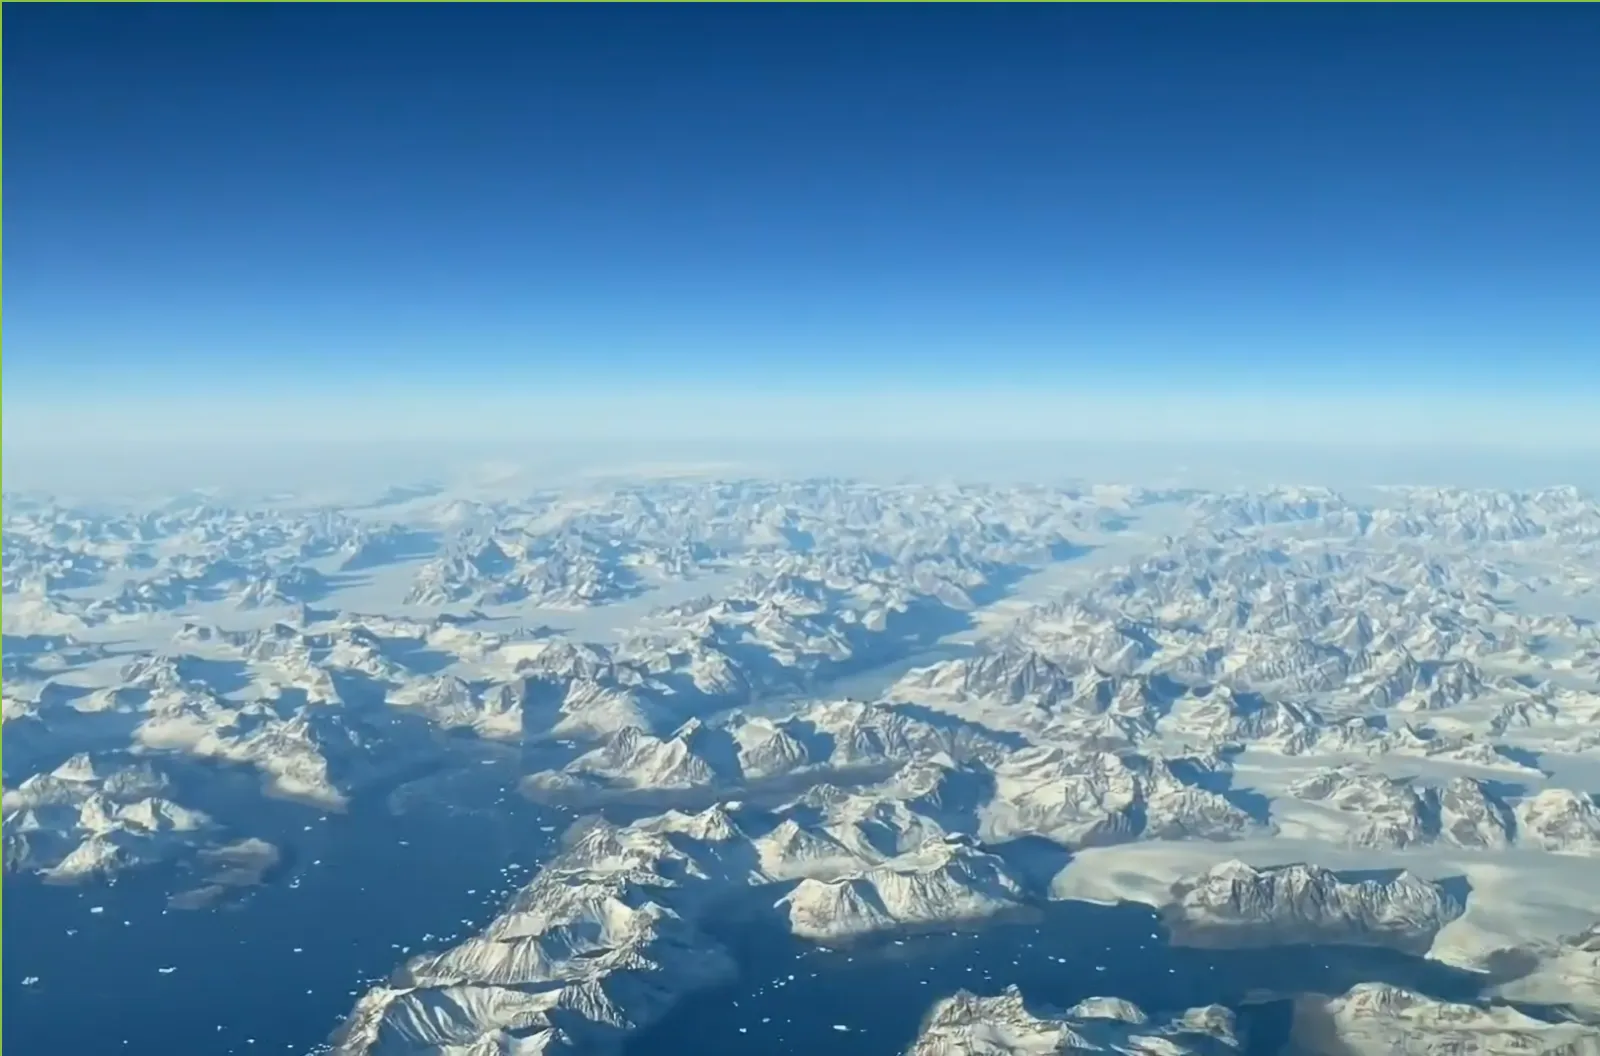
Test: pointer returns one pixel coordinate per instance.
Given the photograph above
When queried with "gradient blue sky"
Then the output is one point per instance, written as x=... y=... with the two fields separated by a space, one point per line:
x=1188 y=222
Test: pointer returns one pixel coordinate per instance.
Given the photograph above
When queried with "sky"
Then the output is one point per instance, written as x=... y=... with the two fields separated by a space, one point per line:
x=265 y=224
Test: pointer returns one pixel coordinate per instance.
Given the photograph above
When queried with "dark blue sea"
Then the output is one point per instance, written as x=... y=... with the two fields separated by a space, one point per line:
x=794 y=997
x=276 y=969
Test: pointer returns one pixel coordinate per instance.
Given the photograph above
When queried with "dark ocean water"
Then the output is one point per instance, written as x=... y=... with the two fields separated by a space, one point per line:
x=275 y=970
x=793 y=997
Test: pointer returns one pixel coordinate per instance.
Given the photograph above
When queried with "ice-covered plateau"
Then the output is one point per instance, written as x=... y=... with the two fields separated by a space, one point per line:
x=1280 y=716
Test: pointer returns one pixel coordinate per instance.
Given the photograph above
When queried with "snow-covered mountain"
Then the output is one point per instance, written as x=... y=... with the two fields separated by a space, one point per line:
x=966 y=1024
x=1375 y=1019
x=1234 y=903
x=854 y=706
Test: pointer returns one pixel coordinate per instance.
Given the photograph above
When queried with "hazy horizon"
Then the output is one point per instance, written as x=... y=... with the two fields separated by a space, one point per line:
x=339 y=474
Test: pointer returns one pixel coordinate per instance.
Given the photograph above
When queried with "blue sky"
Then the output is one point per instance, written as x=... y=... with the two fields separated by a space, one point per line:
x=1235 y=222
